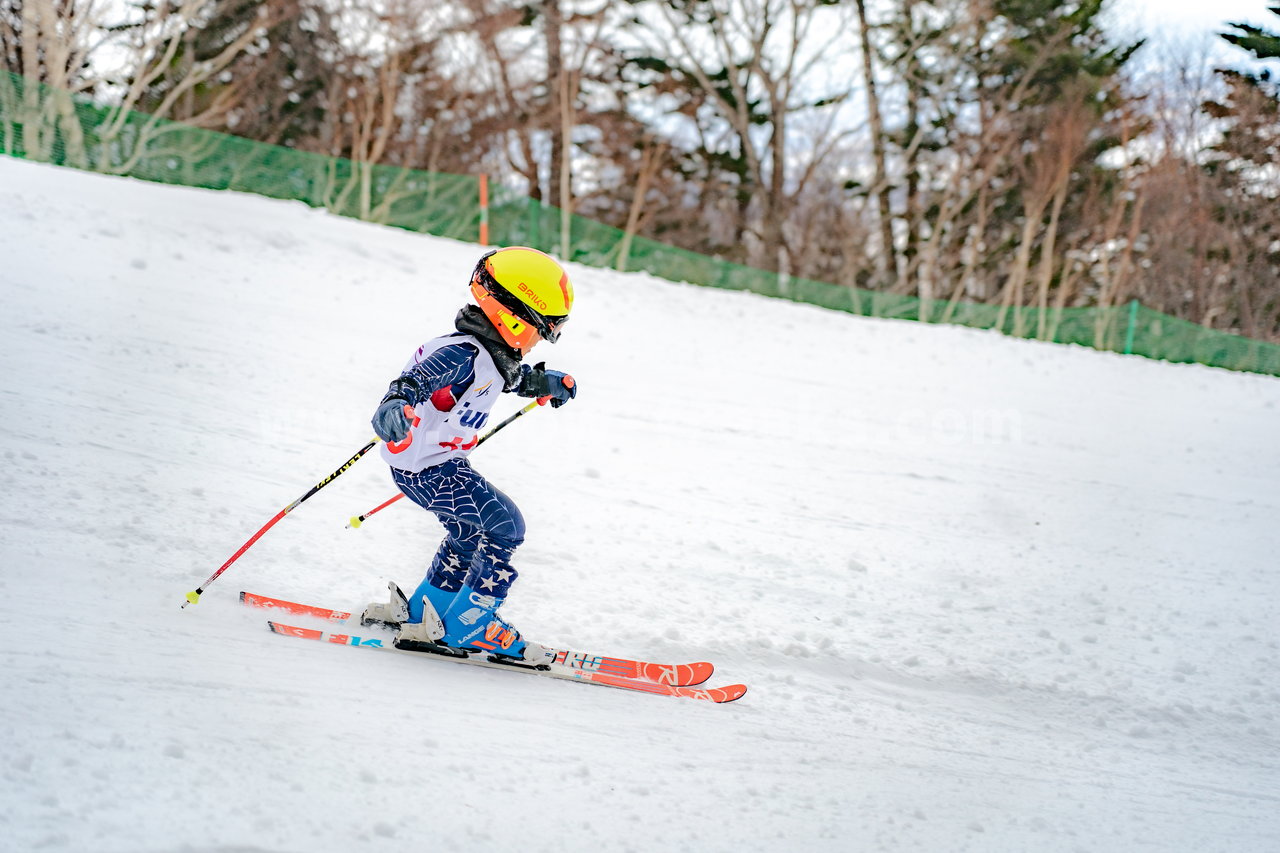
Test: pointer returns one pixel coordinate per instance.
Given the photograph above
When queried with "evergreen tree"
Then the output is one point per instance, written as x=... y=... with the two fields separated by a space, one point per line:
x=1006 y=106
x=1262 y=43
x=1249 y=112
x=1243 y=166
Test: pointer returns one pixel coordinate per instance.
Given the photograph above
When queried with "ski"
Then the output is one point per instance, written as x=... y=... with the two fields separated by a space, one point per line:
x=557 y=670
x=251 y=599
x=254 y=600
x=673 y=674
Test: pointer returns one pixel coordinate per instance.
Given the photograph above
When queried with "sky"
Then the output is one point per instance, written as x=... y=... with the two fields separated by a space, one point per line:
x=1194 y=23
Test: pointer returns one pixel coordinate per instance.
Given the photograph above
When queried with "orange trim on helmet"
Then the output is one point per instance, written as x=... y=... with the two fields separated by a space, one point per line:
x=566 y=290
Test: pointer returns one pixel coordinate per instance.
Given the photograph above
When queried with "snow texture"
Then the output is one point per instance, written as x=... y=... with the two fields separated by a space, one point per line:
x=988 y=594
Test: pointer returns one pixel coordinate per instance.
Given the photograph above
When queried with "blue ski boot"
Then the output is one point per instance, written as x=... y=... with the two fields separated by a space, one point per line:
x=473 y=624
x=428 y=595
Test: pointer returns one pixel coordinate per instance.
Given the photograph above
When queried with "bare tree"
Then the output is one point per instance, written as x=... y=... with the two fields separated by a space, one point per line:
x=651 y=156
x=879 y=191
x=49 y=44
x=149 y=47
x=752 y=60
x=1046 y=179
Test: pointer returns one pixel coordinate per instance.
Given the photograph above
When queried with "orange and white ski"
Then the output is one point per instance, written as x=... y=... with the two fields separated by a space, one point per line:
x=584 y=676
x=672 y=674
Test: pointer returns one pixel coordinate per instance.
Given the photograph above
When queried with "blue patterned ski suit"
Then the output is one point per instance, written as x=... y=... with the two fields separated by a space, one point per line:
x=451 y=383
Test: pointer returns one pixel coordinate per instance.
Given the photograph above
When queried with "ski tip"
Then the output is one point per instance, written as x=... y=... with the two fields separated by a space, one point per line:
x=732 y=693
x=719 y=695
x=700 y=673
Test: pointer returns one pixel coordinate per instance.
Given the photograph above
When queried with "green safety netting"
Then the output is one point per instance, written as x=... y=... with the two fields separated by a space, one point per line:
x=41 y=123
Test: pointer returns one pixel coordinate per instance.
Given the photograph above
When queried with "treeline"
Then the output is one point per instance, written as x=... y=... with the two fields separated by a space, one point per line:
x=998 y=151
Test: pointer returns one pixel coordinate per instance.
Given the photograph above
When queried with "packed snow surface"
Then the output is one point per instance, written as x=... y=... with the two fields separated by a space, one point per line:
x=988 y=594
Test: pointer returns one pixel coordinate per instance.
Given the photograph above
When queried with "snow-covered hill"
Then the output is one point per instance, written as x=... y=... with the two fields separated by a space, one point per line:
x=988 y=594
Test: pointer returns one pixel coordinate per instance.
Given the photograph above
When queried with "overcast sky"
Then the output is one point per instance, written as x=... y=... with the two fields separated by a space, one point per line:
x=1191 y=23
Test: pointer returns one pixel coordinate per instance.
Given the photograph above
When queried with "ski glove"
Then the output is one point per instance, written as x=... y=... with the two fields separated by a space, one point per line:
x=540 y=382
x=389 y=422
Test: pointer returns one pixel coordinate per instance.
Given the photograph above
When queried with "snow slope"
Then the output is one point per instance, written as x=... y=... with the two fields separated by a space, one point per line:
x=988 y=594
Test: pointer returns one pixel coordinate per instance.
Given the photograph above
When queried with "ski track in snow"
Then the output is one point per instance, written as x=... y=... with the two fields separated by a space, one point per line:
x=988 y=594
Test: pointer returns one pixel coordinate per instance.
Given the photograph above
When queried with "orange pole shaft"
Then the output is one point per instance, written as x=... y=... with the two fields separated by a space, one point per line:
x=193 y=597
x=382 y=506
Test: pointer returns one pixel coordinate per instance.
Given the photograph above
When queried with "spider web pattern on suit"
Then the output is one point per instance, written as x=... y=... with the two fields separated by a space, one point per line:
x=478 y=518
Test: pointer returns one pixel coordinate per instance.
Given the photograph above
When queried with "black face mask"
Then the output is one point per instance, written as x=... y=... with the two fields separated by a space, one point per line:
x=472 y=321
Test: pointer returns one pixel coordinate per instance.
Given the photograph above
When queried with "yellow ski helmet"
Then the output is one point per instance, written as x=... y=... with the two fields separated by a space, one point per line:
x=524 y=293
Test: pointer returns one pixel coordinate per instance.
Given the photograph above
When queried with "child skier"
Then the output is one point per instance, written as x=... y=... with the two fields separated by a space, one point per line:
x=429 y=421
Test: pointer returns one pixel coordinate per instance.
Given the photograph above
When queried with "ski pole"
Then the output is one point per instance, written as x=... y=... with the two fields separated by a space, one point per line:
x=193 y=597
x=541 y=401
x=357 y=520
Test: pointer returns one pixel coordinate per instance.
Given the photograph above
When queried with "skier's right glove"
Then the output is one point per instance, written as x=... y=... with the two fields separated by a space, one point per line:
x=540 y=382
x=389 y=422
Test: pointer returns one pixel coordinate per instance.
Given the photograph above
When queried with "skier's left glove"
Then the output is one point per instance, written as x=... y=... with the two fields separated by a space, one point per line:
x=540 y=382
x=389 y=422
